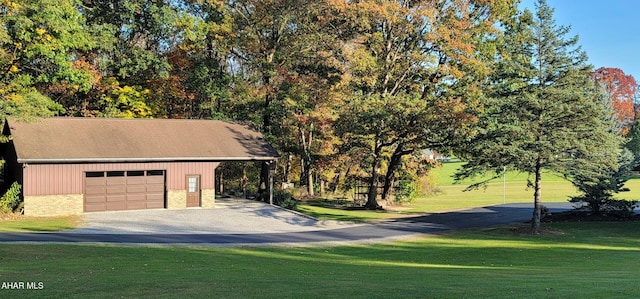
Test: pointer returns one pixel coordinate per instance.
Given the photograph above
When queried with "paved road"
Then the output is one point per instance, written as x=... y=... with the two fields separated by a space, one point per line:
x=242 y=223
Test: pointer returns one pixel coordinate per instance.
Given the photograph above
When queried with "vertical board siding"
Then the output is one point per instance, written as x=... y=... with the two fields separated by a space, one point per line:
x=54 y=179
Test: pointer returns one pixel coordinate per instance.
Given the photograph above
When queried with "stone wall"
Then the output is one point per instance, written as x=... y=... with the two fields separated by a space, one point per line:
x=53 y=205
x=208 y=198
x=177 y=199
x=72 y=204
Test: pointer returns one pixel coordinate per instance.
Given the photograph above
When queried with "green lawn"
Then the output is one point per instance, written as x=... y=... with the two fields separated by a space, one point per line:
x=42 y=224
x=580 y=260
x=452 y=196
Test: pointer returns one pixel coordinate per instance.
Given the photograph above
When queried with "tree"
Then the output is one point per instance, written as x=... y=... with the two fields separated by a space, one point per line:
x=599 y=186
x=545 y=112
x=621 y=89
x=38 y=45
x=276 y=43
x=428 y=56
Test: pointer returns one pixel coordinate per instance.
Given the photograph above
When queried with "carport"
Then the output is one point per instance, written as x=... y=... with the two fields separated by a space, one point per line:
x=75 y=165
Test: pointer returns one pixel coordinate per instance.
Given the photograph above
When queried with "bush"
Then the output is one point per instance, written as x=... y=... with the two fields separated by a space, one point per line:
x=598 y=188
x=619 y=207
x=284 y=199
x=10 y=201
x=405 y=191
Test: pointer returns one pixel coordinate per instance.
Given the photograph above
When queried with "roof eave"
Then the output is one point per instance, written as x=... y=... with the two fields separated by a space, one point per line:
x=139 y=160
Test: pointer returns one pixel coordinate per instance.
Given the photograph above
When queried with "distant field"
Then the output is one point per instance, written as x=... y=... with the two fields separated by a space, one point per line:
x=451 y=196
x=511 y=189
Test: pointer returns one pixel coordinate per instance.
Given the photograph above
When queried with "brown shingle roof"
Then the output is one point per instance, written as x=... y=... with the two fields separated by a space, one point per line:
x=58 y=140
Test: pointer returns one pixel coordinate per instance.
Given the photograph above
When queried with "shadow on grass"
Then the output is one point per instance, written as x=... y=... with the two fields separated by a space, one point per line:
x=590 y=261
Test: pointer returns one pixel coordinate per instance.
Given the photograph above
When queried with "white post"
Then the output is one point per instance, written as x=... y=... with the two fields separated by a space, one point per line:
x=504 y=184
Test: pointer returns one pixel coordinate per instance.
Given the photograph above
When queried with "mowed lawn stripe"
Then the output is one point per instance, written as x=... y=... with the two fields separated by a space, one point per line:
x=585 y=260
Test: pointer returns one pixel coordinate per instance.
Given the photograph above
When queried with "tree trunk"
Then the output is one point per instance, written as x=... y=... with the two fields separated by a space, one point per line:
x=310 y=191
x=266 y=128
x=537 y=197
x=394 y=163
x=372 y=194
x=322 y=187
x=307 y=174
x=287 y=168
x=303 y=172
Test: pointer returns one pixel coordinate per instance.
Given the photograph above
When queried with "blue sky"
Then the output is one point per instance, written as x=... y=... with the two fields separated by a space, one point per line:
x=608 y=30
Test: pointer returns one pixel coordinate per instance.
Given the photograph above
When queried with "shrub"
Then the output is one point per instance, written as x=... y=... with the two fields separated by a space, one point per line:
x=598 y=187
x=10 y=201
x=618 y=207
x=405 y=191
x=284 y=199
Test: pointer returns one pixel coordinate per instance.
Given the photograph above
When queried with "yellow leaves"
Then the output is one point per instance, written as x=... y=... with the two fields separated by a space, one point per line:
x=41 y=31
x=13 y=69
x=14 y=97
x=10 y=6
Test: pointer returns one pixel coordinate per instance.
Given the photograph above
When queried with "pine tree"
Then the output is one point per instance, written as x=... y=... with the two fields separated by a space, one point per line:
x=545 y=112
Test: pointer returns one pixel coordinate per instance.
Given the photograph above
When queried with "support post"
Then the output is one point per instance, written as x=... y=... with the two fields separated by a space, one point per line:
x=272 y=167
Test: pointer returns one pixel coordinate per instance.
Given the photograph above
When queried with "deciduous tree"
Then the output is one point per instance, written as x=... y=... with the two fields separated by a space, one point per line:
x=621 y=89
x=427 y=55
x=38 y=43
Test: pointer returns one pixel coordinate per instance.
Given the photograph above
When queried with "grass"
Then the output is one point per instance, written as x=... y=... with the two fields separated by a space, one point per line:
x=38 y=224
x=451 y=196
x=580 y=260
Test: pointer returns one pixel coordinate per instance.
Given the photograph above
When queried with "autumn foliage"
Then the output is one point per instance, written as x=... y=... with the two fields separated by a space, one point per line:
x=621 y=90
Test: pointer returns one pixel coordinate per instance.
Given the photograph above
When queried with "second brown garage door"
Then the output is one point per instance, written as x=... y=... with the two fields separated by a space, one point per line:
x=124 y=190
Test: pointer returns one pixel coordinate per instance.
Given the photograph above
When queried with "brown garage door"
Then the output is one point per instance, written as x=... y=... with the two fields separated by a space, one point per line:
x=124 y=190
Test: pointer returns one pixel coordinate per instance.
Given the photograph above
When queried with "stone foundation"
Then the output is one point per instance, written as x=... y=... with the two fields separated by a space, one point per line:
x=72 y=204
x=177 y=199
x=208 y=198
x=53 y=205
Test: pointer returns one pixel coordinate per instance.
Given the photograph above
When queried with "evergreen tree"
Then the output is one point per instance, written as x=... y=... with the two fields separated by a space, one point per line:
x=545 y=111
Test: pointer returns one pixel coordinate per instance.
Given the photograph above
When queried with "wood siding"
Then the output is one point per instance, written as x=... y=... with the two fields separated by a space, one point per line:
x=53 y=179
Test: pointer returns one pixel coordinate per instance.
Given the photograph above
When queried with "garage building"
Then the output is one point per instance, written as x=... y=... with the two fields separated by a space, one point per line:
x=75 y=165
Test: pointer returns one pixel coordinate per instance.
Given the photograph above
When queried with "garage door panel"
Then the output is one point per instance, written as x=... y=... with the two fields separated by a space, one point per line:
x=90 y=207
x=116 y=189
x=124 y=190
x=138 y=180
x=116 y=206
x=136 y=205
x=94 y=199
x=136 y=197
x=95 y=182
x=95 y=191
x=116 y=181
x=155 y=204
x=155 y=188
x=155 y=196
x=155 y=180
x=136 y=189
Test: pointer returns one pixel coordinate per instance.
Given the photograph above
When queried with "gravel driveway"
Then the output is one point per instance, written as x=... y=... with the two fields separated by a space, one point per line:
x=241 y=222
x=231 y=216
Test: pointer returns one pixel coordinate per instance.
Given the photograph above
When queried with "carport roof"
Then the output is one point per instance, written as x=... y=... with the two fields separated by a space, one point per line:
x=86 y=140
